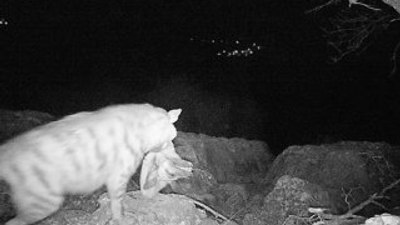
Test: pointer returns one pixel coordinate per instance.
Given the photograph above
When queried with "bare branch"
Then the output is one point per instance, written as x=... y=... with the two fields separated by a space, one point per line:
x=396 y=51
x=390 y=186
x=356 y=2
x=349 y=217
x=351 y=29
x=316 y=9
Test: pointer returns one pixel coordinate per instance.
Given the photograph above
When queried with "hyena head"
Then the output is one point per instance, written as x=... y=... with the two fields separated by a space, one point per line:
x=159 y=130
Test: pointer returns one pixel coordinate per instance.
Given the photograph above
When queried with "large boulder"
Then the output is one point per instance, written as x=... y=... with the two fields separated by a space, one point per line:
x=342 y=175
x=225 y=169
x=16 y=122
x=290 y=196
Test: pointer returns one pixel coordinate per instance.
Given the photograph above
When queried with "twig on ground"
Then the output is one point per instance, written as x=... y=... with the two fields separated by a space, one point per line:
x=350 y=216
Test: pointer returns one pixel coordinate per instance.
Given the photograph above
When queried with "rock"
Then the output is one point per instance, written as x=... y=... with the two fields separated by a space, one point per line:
x=222 y=169
x=230 y=199
x=383 y=219
x=290 y=196
x=16 y=122
x=234 y=160
x=349 y=171
x=161 y=209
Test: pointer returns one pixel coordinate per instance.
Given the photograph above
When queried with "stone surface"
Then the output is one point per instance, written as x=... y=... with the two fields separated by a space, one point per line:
x=16 y=122
x=349 y=171
x=225 y=170
x=233 y=160
x=290 y=196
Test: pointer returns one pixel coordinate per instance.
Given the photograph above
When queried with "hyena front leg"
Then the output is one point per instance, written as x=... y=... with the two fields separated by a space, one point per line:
x=116 y=187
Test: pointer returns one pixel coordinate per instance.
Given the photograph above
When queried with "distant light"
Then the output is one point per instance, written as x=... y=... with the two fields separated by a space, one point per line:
x=230 y=48
x=3 y=22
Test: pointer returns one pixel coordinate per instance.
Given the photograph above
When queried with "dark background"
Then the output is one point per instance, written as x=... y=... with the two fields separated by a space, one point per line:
x=62 y=57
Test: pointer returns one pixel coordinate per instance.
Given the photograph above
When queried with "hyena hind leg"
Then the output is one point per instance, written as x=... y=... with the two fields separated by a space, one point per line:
x=33 y=208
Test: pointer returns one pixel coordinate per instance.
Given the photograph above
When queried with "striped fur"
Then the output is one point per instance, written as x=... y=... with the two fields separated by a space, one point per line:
x=80 y=153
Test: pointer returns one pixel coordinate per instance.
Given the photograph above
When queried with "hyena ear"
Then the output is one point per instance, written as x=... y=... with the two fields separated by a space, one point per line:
x=174 y=115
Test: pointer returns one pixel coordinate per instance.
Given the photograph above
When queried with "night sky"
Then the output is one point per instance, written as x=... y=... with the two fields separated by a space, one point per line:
x=62 y=57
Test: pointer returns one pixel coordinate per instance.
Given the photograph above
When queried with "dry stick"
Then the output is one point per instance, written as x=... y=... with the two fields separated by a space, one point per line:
x=209 y=209
x=372 y=199
x=394 y=59
x=205 y=207
x=321 y=6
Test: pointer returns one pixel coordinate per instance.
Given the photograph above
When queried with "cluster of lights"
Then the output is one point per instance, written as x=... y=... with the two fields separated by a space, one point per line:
x=234 y=48
x=240 y=52
x=3 y=22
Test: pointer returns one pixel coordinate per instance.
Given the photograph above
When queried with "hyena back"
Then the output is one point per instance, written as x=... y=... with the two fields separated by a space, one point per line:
x=80 y=153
